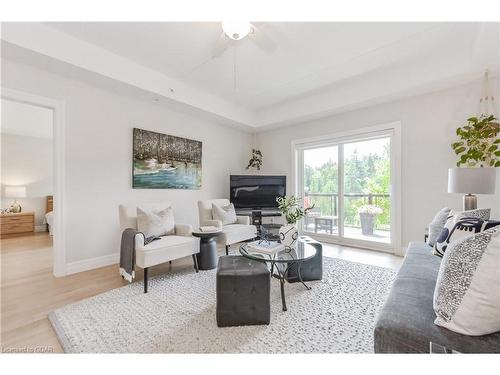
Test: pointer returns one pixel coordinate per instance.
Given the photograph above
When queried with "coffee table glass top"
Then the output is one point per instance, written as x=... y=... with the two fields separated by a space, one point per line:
x=303 y=251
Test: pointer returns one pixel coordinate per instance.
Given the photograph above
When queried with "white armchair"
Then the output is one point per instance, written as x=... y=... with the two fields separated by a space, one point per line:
x=167 y=248
x=231 y=233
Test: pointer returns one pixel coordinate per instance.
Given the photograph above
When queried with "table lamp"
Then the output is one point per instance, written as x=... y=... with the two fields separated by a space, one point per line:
x=470 y=181
x=15 y=192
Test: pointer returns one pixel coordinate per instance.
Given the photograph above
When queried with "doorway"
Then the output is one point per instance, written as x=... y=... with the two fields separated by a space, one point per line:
x=349 y=182
x=35 y=120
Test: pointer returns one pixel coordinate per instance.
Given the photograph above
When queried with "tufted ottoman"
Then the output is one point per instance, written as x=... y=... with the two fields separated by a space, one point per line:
x=243 y=292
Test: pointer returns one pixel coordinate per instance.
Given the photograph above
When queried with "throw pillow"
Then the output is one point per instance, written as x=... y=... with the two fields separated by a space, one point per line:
x=462 y=228
x=453 y=217
x=226 y=214
x=466 y=298
x=437 y=225
x=155 y=223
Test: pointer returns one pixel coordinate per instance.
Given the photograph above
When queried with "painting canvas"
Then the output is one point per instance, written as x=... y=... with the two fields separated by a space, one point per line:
x=164 y=161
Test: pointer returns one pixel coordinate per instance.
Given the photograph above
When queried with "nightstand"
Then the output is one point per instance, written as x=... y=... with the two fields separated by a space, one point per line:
x=17 y=224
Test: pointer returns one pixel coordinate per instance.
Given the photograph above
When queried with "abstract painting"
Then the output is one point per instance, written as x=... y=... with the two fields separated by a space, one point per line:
x=164 y=161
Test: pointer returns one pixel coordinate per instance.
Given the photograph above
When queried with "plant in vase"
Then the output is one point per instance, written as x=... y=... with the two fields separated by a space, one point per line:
x=478 y=144
x=292 y=209
x=367 y=215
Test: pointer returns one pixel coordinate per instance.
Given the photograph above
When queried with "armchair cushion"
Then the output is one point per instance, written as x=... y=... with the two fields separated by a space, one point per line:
x=205 y=209
x=165 y=249
x=156 y=222
x=226 y=214
x=233 y=233
x=245 y=220
x=183 y=230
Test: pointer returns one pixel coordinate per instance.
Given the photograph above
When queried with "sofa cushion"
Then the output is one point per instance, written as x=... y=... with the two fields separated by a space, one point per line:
x=165 y=249
x=462 y=229
x=467 y=294
x=453 y=218
x=406 y=322
x=437 y=225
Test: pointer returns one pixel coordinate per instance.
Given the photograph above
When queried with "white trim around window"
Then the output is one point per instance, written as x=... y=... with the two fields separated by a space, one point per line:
x=393 y=130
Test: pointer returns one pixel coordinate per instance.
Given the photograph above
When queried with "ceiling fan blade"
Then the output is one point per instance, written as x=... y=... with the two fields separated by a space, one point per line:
x=262 y=40
x=220 y=46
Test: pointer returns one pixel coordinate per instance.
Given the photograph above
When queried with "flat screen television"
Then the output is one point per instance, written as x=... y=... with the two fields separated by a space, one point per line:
x=256 y=192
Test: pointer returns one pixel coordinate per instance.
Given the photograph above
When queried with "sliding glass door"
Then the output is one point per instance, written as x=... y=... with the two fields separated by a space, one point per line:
x=321 y=189
x=348 y=183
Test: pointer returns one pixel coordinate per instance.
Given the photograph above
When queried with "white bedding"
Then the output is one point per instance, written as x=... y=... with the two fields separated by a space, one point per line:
x=49 y=219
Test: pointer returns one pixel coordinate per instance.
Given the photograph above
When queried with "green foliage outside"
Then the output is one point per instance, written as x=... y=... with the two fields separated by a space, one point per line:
x=363 y=175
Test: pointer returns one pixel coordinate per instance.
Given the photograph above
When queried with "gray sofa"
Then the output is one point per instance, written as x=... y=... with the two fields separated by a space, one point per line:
x=406 y=322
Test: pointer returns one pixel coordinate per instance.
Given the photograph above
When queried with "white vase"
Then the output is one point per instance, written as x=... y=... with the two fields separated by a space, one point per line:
x=289 y=235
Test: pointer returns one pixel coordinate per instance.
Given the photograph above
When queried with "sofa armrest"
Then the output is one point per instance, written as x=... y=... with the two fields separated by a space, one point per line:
x=215 y=223
x=243 y=220
x=183 y=230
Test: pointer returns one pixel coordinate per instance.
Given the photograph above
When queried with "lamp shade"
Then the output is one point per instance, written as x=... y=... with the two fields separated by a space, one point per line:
x=471 y=180
x=15 y=191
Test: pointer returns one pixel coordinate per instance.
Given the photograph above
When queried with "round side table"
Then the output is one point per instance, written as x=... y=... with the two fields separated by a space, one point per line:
x=207 y=257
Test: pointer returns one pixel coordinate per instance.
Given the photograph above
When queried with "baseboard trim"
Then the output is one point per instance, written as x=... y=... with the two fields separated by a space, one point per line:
x=92 y=263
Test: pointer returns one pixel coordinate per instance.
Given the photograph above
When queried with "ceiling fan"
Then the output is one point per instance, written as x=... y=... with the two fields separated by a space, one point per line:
x=233 y=31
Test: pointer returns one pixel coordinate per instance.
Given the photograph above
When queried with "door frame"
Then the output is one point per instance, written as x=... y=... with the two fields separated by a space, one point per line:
x=59 y=158
x=392 y=128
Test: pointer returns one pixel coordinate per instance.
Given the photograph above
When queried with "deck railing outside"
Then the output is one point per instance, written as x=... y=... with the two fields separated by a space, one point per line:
x=326 y=204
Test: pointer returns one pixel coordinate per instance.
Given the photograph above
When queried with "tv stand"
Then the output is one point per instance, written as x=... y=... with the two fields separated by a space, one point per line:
x=268 y=218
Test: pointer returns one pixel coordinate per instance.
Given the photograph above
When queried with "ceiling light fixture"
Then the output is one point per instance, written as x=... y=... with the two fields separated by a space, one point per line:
x=236 y=30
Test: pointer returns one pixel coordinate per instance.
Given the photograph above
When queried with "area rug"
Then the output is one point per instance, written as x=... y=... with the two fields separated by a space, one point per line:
x=177 y=315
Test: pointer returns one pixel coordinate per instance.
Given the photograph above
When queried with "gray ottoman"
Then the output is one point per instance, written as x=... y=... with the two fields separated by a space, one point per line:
x=311 y=269
x=243 y=292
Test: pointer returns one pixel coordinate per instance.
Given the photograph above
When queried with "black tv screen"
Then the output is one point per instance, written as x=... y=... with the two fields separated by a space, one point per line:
x=256 y=191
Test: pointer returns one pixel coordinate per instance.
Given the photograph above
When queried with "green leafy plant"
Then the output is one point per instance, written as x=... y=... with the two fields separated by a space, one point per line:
x=291 y=208
x=256 y=160
x=478 y=144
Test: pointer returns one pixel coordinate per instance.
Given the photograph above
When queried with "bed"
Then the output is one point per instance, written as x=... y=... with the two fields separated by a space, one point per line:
x=49 y=214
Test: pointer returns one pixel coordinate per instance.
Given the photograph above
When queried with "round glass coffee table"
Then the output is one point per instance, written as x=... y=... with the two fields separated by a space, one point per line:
x=283 y=261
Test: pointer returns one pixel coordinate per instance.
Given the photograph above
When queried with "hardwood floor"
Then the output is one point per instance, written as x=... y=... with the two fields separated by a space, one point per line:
x=29 y=291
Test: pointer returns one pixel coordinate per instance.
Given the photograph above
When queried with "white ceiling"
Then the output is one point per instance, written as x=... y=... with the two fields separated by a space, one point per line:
x=304 y=59
x=316 y=69
x=25 y=119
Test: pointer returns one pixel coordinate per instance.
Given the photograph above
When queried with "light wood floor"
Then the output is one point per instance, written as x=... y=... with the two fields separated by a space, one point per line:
x=29 y=291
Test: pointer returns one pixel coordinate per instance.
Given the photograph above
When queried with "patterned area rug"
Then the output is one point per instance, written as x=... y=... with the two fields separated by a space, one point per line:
x=177 y=315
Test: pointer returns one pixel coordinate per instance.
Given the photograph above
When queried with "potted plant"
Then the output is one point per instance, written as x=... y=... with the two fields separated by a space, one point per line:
x=291 y=208
x=478 y=144
x=367 y=215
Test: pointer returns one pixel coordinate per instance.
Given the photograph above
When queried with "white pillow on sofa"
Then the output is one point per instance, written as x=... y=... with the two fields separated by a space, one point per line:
x=437 y=225
x=467 y=293
x=155 y=223
x=453 y=218
x=226 y=214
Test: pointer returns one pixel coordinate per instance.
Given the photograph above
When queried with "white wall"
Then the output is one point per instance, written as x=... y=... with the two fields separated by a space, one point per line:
x=99 y=156
x=28 y=161
x=428 y=128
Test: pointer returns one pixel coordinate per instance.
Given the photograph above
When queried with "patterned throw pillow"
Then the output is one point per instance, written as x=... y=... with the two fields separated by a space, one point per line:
x=453 y=218
x=437 y=225
x=226 y=214
x=466 y=297
x=155 y=223
x=462 y=229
